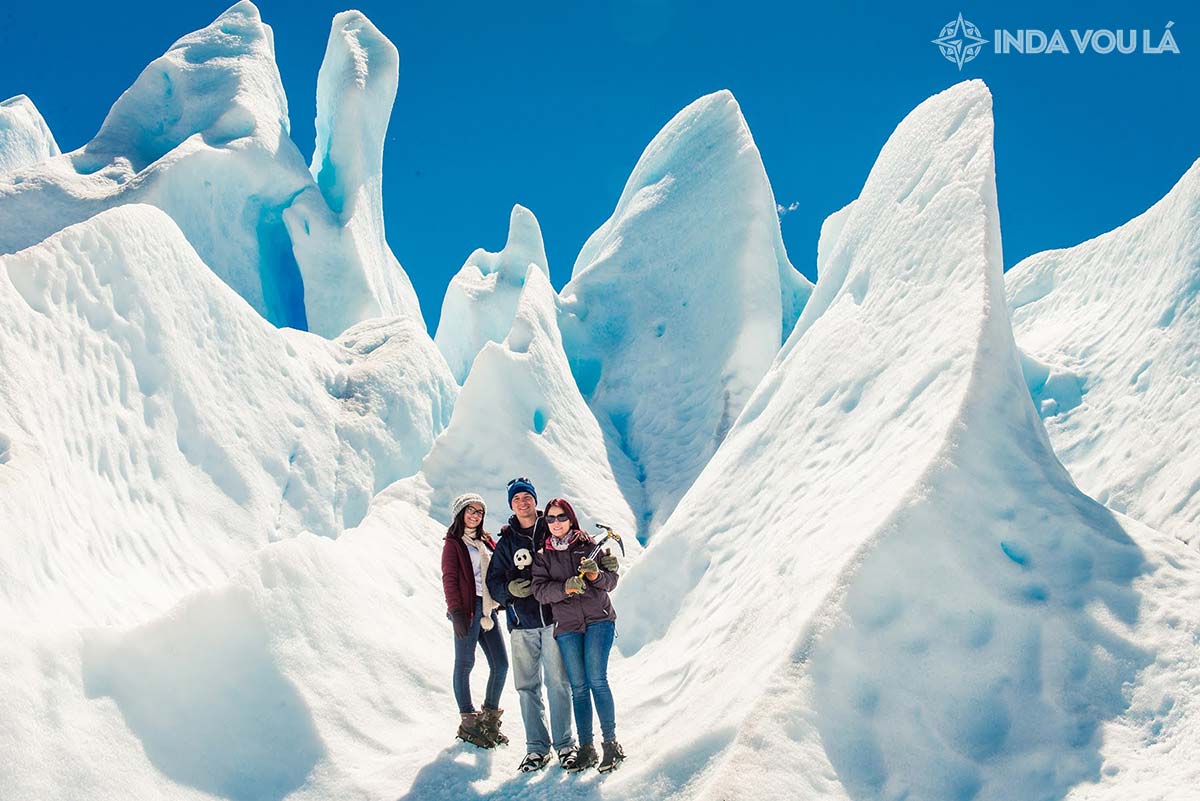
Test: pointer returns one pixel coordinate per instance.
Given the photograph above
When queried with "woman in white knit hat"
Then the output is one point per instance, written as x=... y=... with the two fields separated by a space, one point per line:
x=466 y=553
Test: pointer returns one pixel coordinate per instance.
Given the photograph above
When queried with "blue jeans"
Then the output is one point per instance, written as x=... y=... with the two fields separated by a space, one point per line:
x=492 y=643
x=585 y=657
x=535 y=653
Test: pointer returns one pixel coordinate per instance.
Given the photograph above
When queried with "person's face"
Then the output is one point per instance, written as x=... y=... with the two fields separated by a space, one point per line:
x=524 y=504
x=472 y=515
x=558 y=528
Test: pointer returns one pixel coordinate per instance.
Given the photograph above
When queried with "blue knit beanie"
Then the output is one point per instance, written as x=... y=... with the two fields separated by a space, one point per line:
x=521 y=484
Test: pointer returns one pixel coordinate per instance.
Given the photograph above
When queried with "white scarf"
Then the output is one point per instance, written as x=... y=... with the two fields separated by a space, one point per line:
x=473 y=540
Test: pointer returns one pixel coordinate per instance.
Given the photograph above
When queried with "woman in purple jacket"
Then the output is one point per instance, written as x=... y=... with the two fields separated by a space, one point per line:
x=577 y=588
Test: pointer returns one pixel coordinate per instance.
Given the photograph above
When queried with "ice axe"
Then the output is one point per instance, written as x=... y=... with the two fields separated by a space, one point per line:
x=608 y=534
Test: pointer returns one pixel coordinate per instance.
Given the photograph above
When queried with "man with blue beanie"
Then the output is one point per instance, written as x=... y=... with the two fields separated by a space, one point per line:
x=531 y=632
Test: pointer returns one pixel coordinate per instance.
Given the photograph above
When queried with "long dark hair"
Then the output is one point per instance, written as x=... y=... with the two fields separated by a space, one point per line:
x=459 y=526
x=565 y=505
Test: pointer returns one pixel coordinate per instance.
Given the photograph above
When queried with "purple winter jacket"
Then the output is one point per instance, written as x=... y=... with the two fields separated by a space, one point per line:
x=572 y=613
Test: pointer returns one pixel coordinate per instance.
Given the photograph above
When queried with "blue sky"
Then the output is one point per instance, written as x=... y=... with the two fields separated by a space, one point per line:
x=549 y=104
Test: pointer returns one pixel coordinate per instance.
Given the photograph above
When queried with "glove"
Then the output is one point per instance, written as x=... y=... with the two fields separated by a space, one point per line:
x=520 y=588
x=461 y=627
x=589 y=569
x=574 y=586
x=609 y=562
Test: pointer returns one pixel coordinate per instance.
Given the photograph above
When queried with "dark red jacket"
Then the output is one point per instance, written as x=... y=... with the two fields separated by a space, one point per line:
x=572 y=613
x=458 y=576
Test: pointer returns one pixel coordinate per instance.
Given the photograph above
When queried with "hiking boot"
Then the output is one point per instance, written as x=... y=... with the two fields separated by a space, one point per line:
x=585 y=758
x=613 y=756
x=533 y=762
x=567 y=757
x=471 y=730
x=489 y=719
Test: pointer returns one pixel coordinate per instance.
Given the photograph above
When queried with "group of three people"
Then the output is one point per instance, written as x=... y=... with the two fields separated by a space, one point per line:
x=560 y=620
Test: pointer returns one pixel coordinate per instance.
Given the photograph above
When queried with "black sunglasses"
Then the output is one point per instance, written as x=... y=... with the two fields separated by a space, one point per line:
x=558 y=518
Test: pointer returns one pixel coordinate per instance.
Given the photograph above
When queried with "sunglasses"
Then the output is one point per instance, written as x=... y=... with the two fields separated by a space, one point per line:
x=558 y=518
x=473 y=510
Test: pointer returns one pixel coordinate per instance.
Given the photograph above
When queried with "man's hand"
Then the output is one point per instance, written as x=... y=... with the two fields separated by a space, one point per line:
x=520 y=588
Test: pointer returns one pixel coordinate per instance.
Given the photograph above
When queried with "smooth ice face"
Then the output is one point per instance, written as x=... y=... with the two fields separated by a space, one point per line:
x=687 y=279
x=203 y=135
x=350 y=273
x=520 y=413
x=25 y=139
x=156 y=430
x=1111 y=333
x=885 y=545
x=482 y=298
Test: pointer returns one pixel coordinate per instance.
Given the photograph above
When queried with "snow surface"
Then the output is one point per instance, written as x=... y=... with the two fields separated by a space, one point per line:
x=220 y=540
x=203 y=135
x=1111 y=331
x=679 y=302
x=25 y=138
x=156 y=431
x=482 y=298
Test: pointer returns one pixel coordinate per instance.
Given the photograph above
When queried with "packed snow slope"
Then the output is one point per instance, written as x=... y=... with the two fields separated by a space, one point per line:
x=679 y=302
x=884 y=585
x=482 y=298
x=25 y=138
x=520 y=414
x=1111 y=331
x=203 y=135
x=155 y=431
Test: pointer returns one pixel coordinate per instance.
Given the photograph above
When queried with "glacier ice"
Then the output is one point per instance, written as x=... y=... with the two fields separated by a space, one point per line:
x=203 y=135
x=349 y=271
x=25 y=139
x=482 y=298
x=1115 y=324
x=898 y=648
x=219 y=571
x=520 y=413
x=679 y=302
x=158 y=430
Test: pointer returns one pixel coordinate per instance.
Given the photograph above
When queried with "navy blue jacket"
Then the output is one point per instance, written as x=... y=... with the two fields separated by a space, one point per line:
x=518 y=545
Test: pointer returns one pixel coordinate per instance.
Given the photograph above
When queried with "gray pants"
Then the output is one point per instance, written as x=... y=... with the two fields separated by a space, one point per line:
x=534 y=652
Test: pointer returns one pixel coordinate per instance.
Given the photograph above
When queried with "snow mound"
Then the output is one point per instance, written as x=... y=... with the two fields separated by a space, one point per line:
x=1112 y=329
x=25 y=138
x=154 y=430
x=926 y=604
x=482 y=298
x=687 y=279
x=203 y=135
x=520 y=413
x=288 y=679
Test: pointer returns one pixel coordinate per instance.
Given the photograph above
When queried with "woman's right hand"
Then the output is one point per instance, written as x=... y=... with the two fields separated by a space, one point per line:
x=461 y=627
x=574 y=585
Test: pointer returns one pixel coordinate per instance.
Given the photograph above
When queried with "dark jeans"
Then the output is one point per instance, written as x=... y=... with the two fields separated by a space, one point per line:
x=492 y=643
x=585 y=657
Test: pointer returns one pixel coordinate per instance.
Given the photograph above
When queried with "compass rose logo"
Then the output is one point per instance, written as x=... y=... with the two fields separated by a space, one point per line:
x=960 y=41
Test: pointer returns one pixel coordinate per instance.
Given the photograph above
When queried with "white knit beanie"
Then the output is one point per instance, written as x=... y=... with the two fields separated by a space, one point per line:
x=461 y=502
